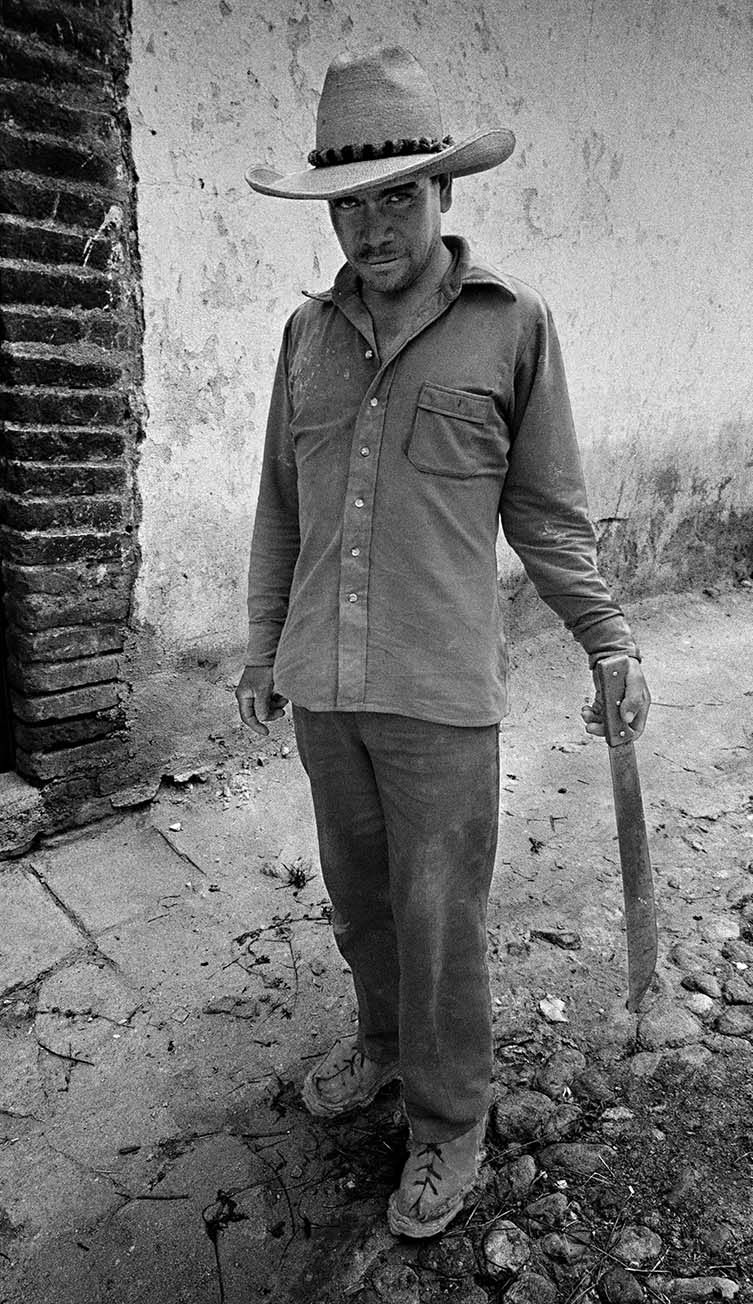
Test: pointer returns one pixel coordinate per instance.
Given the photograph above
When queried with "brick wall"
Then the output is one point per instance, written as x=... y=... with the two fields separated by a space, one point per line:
x=70 y=374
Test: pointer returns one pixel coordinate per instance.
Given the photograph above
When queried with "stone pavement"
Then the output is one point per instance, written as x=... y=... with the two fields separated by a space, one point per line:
x=167 y=976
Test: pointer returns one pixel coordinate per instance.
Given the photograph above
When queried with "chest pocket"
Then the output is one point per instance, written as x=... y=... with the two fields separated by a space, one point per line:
x=457 y=434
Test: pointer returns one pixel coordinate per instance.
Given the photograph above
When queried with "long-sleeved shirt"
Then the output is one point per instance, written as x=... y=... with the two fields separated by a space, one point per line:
x=373 y=572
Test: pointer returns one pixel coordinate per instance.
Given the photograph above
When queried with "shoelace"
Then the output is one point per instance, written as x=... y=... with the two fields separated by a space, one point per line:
x=430 y=1151
x=348 y=1066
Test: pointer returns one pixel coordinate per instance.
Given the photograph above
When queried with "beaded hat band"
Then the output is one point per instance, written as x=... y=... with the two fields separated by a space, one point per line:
x=378 y=120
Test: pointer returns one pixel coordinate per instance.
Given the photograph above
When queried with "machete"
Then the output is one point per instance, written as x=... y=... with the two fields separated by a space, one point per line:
x=637 y=879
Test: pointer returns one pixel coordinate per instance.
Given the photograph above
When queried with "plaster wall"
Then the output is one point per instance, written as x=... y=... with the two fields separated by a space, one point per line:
x=627 y=202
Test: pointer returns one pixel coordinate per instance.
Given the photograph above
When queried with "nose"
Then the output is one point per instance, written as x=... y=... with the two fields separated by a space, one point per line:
x=376 y=228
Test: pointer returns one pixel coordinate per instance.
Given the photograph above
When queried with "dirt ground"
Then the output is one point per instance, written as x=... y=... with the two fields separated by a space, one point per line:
x=180 y=977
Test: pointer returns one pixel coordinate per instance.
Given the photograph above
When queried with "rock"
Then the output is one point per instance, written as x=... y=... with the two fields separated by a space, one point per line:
x=521 y=1116
x=637 y=1247
x=517 y=1178
x=737 y=1021
x=532 y=1288
x=618 y=1286
x=716 y=1237
x=555 y=1076
x=575 y=1159
x=737 y=991
x=701 y=1005
x=718 y=929
x=549 y=1212
x=449 y=1257
x=566 y=1247
x=593 y=1086
x=738 y=952
x=645 y=1063
x=689 y=959
x=397 y=1283
x=702 y=1288
x=696 y=981
x=563 y=1123
x=667 y=1024
x=506 y=1249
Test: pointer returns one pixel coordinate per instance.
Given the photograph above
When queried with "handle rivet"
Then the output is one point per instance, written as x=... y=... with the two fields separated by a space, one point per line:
x=622 y=733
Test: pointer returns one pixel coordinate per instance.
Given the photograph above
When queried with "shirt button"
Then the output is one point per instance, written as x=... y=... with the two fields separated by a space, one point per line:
x=358 y=502
x=374 y=402
x=364 y=451
x=369 y=353
x=352 y=597
x=355 y=552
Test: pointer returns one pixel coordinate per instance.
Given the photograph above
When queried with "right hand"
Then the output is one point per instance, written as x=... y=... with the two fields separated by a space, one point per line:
x=257 y=700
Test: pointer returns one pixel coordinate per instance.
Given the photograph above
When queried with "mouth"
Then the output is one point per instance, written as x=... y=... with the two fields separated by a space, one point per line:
x=381 y=262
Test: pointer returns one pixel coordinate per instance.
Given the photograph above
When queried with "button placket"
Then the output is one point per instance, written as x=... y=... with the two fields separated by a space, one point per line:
x=357 y=527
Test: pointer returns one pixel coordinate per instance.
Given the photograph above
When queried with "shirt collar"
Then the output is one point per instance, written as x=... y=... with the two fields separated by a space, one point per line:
x=464 y=270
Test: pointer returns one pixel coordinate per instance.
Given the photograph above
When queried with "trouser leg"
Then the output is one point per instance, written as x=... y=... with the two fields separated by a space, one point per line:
x=439 y=789
x=407 y=819
x=354 y=859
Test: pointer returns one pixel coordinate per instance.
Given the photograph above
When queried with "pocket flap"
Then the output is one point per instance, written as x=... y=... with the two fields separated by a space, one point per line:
x=455 y=403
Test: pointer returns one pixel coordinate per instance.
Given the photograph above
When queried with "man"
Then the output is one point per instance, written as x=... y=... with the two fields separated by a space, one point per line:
x=416 y=403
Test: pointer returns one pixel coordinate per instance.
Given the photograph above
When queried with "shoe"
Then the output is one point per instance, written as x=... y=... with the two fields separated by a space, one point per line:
x=345 y=1079
x=435 y=1181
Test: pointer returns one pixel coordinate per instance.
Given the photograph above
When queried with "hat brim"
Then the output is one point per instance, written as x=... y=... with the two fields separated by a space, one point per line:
x=478 y=153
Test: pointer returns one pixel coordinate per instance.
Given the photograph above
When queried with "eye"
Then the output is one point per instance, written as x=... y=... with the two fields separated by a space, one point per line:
x=346 y=204
x=400 y=199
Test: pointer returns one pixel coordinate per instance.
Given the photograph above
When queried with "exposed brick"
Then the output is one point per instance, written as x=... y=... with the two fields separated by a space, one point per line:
x=84 y=443
x=95 y=513
x=47 y=735
x=21 y=239
x=48 y=157
x=36 y=549
x=55 y=677
x=60 y=706
x=64 y=372
x=71 y=407
x=38 y=611
x=45 y=479
x=69 y=761
x=54 y=201
x=67 y=287
x=65 y=26
x=62 y=581
x=25 y=60
x=71 y=643
x=60 y=326
x=31 y=109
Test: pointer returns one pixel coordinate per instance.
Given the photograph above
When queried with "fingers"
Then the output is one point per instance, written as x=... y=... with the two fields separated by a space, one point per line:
x=257 y=700
x=636 y=701
x=592 y=718
x=246 y=707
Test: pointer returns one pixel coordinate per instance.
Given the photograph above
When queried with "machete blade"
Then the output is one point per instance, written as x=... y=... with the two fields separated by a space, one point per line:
x=635 y=861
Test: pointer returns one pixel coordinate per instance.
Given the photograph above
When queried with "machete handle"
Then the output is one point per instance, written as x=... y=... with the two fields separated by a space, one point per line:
x=612 y=678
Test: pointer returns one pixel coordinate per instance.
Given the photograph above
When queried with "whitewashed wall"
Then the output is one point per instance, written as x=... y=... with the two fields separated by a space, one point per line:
x=627 y=202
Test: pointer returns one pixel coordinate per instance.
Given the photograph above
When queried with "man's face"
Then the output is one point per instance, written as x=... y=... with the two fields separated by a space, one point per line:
x=389 y=235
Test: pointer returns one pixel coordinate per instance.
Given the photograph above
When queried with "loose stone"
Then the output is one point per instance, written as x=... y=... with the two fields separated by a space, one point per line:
x=703 y=982
x=506 y=1249
x=700 y=1005
x=694 y=1288
x=738 y=952
x=668 y=1025
x=737 y=1021
x=638 y=1247
x=450 y=1256
x=618 y=1286
x=566 y=1247
x=532 y=1286
x=575 y=1159
x=521 y=1116
x=549 y=1212
x=737 y=991
x=555 y=1077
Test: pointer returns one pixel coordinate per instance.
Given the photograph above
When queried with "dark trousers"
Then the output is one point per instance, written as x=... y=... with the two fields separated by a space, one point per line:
x=407 y=813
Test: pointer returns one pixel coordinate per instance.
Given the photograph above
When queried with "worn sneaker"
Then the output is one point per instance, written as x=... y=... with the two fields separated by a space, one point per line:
x=345 y=1079
x=435 y=1181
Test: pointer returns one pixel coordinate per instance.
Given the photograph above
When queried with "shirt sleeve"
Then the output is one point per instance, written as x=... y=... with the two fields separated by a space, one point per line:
x=544 y=509
x=276 y=538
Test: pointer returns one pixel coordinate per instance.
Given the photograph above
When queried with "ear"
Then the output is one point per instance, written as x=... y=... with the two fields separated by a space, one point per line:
x=445 y=192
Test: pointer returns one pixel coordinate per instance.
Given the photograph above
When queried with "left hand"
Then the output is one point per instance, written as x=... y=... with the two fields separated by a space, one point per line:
x=633 y=707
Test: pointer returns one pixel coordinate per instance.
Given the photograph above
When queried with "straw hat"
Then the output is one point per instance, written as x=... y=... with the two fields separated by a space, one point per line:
x=378 y=123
